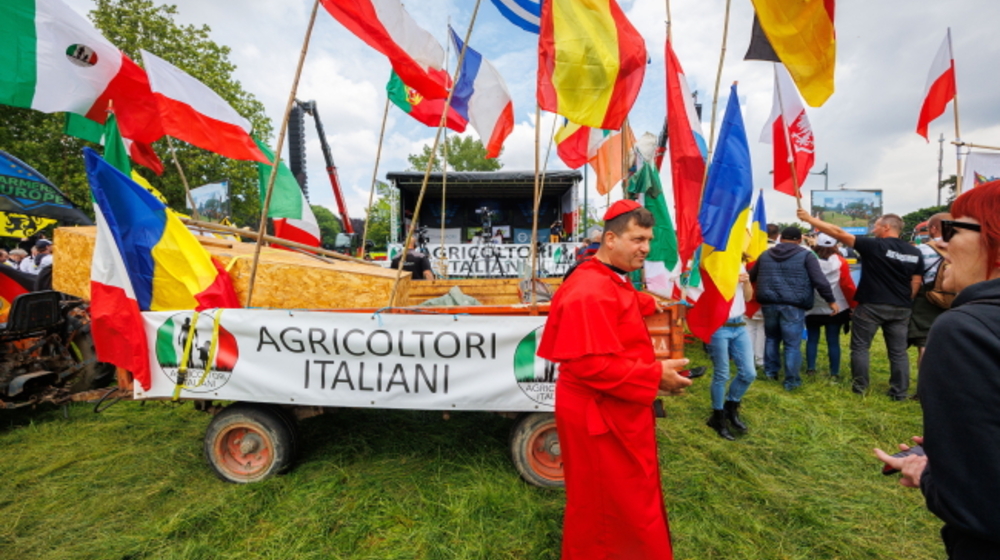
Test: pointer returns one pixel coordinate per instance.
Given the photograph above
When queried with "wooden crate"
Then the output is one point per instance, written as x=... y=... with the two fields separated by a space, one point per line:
x=285 y=279
x=489 y=291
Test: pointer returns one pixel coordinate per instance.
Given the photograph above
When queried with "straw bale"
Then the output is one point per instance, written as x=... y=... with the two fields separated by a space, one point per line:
x=285 y=279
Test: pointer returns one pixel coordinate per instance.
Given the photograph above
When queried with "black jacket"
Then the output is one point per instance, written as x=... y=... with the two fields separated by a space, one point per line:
x=960 y=394
x=787 y=274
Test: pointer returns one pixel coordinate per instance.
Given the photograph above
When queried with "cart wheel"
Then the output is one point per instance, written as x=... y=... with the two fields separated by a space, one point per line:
x=249 y=442
x=534 y=447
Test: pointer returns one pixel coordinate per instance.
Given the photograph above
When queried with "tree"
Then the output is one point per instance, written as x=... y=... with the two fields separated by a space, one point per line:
x=911 y=220
x=329 y=225
x=949 y=186
x=464 y=154
x=132 y=25
x=380 y=217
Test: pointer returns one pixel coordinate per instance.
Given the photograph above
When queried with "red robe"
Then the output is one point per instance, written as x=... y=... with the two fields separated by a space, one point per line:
x=608 y=379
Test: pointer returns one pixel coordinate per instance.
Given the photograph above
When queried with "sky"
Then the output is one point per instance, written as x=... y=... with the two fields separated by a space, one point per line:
x=865 y=132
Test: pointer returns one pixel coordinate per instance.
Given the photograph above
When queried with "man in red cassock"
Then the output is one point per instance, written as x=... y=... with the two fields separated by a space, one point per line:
x=608 y=379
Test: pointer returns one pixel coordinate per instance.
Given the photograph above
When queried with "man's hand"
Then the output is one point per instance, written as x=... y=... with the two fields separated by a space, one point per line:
x=834 y=308
x=911 y=467
x=671 y=382
x=743 y=277
x=801 y=214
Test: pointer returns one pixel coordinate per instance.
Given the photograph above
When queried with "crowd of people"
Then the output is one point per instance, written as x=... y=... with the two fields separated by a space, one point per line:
x=943 y=298
x=31 y=255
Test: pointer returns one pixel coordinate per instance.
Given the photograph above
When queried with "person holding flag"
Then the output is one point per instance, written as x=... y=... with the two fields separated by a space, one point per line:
x=608 y=380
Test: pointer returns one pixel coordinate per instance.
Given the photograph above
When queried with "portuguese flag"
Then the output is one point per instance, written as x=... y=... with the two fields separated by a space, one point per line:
x=427 y=111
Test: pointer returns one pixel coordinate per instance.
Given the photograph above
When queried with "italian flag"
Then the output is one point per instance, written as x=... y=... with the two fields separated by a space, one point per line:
x=52 y=59
x=293 y=218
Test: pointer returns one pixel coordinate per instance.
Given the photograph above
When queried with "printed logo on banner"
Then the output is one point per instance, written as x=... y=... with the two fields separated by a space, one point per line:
x=535 y=376
x=171 y=339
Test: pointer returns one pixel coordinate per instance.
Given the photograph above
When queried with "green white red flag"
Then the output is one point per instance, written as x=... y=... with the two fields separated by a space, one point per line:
x=293 y=218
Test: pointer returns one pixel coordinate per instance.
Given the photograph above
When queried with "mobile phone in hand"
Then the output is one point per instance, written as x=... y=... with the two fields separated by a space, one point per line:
x=915 y=450
x=693 y=373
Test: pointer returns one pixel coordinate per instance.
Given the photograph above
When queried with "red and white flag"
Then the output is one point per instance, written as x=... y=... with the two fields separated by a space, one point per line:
x=940 y=86
x=386 y=27
x=789 y=131
x=192 y=112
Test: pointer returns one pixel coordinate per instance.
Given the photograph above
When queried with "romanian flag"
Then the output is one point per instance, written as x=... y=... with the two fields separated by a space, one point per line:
x=758 y=230
x=802 y=35
x=591 y=62
x=723 y=218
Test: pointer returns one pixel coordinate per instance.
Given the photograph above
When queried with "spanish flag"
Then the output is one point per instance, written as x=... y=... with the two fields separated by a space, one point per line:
x=802 y=35
x=591 y=62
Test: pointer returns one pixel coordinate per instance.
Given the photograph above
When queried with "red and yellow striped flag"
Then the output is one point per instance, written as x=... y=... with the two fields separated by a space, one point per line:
x=802 y=35
x=591 y=62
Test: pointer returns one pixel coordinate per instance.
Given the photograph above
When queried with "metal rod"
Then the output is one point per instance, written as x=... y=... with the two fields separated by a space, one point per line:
x=277 y=155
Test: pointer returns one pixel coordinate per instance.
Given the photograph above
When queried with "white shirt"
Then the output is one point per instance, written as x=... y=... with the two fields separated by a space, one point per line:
x=28 y=264
x=931 y=261
x=739 y=302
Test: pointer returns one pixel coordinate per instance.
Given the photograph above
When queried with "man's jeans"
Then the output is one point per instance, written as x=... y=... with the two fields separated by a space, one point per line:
x=783 y=324
x=731 y=343
x=894 y=320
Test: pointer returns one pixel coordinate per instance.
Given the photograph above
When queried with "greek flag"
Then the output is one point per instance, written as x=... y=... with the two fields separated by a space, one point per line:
x=525 y=14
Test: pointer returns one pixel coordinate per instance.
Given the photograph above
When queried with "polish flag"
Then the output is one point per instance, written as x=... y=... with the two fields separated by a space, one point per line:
x=192 y=112
x=940 y=86
x=788 y=130
x=481 y=96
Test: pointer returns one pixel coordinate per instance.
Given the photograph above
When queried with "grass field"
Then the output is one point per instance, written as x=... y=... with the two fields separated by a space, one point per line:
x=131 y=484
x=843 y=220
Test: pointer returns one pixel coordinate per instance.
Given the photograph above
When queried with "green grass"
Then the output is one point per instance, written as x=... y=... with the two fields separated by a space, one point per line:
x=131 y=483
x=843 y=220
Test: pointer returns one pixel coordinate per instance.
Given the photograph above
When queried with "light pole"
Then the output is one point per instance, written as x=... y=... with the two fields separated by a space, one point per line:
x=826 y=176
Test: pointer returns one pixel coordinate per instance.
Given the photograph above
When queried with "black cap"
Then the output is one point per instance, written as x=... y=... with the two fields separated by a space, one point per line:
x=42 y=243
x=791 y=233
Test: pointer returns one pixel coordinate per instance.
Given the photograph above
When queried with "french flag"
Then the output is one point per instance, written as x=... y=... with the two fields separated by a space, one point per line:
x=481 y=97
x=119 y=335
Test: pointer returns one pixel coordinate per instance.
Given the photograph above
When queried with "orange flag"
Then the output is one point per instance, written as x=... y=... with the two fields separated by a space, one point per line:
x=607 y=164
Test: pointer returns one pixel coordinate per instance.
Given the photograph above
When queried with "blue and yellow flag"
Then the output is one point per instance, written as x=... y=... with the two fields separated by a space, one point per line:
x=758 y=230
x=723 y=218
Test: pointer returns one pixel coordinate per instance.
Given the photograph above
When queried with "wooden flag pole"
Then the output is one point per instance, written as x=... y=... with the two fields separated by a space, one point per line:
x=430 y=160
x=187 y=189
x=534 y=213
x=715 y=103
x=788 y=139
x=371 y=193
x=443 y=261
x=979 y=146
x=249 y=233
x=958 y=132
x=277 y=155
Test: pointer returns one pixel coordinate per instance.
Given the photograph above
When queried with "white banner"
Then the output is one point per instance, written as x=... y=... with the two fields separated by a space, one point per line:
x=980 y=167
x=424 y=362
x=497 y=260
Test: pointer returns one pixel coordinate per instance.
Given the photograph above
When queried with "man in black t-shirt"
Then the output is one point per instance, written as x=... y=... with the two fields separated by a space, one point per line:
x=891 y=274
x=417 y=264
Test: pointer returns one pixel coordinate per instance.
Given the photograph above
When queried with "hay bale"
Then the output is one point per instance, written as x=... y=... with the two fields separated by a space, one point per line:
x=285 y=279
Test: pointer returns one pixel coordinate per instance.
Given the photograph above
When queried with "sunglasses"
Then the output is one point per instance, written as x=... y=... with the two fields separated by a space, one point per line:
x=948 y=228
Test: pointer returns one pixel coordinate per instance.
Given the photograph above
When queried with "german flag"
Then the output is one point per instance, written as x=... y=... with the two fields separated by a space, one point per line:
x=12 y=284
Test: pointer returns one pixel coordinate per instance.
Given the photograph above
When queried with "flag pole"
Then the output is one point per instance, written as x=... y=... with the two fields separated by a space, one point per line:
x=669 y=21
x=958 y=133
x=788 y=140
x=443 y=262
x=715 y=103
x=430 y=160
x=534 y=213
x=187 y=189
x=277 y=154
x=371 y=192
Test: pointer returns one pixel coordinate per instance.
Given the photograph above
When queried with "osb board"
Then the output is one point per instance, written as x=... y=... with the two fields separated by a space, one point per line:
x=489 y=291
x=285 y=279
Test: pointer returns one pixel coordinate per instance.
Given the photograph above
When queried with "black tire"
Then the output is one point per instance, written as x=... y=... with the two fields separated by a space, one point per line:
x=249 y=442
x=292 y=424
x=95 y=375
x=534 y=449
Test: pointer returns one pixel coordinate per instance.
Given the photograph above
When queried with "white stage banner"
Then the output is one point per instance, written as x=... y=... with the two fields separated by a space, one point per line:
x=364 y=360
x=980 y=167
x=508 y=260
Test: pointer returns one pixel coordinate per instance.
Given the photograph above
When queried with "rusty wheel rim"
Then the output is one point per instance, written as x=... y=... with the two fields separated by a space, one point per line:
x=244 y=451
x=544 y=454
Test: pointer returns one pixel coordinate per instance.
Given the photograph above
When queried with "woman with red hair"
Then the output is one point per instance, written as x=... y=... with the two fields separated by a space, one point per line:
x=959 y=386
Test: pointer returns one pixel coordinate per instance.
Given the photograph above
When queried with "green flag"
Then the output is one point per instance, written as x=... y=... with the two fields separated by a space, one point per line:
x=114 y=147
x=663 y=262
